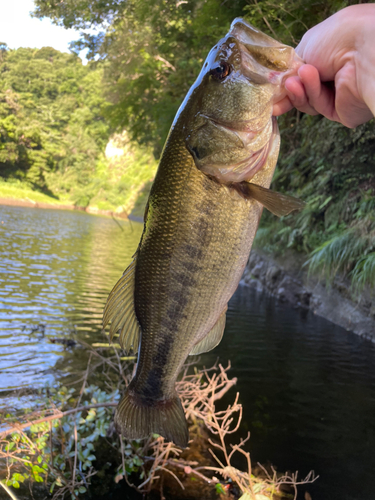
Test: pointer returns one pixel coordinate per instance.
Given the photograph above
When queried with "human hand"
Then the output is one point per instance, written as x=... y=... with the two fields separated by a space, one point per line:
x=341 y=52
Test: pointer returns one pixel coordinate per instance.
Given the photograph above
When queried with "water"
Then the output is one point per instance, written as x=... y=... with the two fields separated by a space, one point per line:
x=307 y=386
x=56 y=270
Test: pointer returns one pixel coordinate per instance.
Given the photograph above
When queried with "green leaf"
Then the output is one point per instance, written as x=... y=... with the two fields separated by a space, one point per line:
x=18 y=477
x=220 y=489
x=66 y=428
x=38 y=470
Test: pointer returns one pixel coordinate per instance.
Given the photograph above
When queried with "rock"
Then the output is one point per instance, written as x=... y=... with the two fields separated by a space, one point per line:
x=258 y=269
x=273 y=273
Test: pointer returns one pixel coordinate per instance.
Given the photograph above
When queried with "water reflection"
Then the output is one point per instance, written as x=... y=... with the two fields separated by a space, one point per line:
x=56 y=269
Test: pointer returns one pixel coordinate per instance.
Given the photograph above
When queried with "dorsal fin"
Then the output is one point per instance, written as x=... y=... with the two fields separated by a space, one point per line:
x=277 y=203
x=213 y=337
x=119 y=310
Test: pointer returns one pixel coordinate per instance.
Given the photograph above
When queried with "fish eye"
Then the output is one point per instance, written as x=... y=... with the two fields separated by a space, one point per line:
x=221 y=71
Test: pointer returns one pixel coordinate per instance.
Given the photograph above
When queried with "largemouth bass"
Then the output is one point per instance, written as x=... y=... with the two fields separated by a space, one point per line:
x=200 y=222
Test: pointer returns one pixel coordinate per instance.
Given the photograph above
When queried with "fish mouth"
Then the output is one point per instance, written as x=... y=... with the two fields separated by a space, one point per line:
x=264 y=60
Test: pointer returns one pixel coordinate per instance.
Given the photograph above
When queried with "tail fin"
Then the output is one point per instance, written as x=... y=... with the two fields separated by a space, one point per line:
x=136 y=421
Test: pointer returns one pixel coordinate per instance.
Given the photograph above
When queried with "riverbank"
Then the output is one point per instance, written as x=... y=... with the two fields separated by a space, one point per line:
x=287 y=279
x=61 y=206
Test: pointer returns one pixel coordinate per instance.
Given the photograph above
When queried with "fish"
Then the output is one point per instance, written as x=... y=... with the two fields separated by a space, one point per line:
x=201 y=218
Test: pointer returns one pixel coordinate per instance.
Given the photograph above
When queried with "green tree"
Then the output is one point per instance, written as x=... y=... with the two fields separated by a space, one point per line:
x=154 y=50
x=51 y=121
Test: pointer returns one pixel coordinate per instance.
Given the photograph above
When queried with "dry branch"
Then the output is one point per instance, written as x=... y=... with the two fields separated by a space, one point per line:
x=199 y=393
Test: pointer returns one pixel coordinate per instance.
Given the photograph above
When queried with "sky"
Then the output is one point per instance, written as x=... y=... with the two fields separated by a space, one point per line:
x=19 y=29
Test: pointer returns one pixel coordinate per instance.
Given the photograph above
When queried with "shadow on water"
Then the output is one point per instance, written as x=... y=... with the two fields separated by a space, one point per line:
x=307 y=386
x=308 y=391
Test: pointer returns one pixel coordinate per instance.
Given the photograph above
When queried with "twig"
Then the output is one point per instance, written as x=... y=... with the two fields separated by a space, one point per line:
x=89 y=347
x=120 y=367
x=265 y=19
x=10 y=493
x=131 y=485
x=186 y=466
x=225 y=389
x=174 y=475
x=50 y=443
x=75 y=455
x=84 y=380
x=117 y=222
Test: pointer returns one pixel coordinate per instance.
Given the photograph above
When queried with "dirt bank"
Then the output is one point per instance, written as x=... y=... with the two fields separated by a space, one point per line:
x=286 y=278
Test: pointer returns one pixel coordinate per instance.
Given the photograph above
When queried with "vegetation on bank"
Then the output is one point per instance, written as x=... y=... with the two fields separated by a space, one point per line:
x=18 y=190
x=332 y=168
x=53 y=135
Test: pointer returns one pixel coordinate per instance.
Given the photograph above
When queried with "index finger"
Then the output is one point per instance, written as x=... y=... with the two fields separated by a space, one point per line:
x=281 y=107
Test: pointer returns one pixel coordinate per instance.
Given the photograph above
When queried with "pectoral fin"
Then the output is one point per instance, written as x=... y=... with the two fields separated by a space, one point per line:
x=213 y=338
x=277 y=203
x=119 y=310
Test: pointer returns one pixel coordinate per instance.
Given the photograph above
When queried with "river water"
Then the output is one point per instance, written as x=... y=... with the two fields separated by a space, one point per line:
x=306 y=385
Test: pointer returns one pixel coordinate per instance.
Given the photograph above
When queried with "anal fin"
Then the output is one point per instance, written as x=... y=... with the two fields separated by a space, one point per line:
x=277 y=203
x=119 y=311
x=213 y=337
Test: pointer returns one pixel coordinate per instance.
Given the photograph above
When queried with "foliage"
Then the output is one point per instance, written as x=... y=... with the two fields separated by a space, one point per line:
x=123 y=176
x=62 y=446
x=332 y=169
x=53 y=134
x=328 y=166
x=166 y=43
x=45 y=452
x=50 y=119
x=16 y=189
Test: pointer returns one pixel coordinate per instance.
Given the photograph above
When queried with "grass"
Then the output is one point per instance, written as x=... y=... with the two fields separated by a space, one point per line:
x=20 y=191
